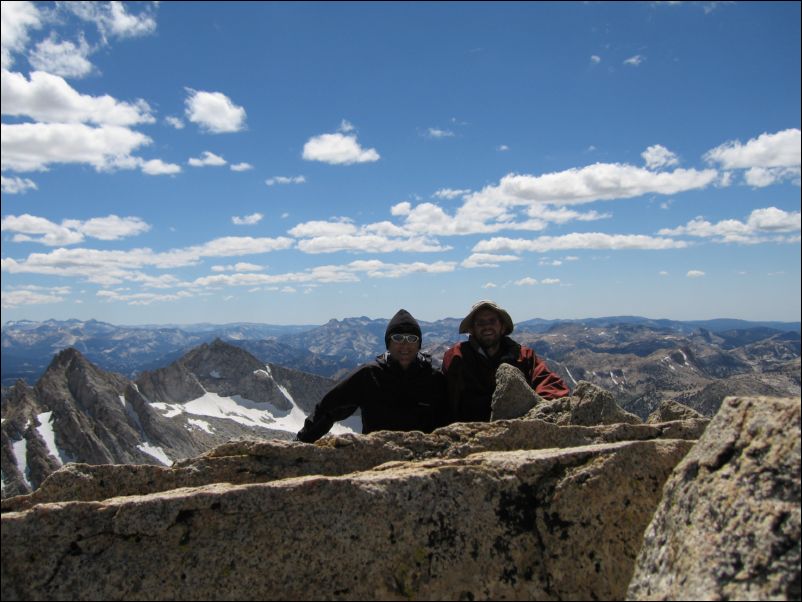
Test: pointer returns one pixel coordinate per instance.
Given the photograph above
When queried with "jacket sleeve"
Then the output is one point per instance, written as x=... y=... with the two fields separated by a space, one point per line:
x=545 y=382
x=338 y=404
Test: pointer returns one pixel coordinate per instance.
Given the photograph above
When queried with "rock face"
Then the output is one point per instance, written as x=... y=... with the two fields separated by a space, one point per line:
x=80 y=413
x=489 y=525
x=511 y=509
x=728 y=527
x=77 y=411
x=587 y=406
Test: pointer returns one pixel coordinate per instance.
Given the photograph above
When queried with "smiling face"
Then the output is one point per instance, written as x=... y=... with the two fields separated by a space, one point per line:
x=403 y=352
x=487 y=330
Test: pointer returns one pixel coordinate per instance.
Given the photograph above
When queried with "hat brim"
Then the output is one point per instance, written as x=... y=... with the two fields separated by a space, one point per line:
x=466 y=326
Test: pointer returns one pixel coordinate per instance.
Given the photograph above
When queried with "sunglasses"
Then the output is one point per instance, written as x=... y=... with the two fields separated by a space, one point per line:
x=400 y=338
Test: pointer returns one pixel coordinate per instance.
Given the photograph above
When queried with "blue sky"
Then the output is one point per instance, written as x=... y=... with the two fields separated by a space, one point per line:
x=290 y=163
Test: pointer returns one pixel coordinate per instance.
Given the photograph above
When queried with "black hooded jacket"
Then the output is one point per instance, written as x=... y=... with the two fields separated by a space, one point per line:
x=390 y=398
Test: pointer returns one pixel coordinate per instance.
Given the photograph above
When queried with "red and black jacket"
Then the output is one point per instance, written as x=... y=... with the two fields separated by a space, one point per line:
x=471 y=377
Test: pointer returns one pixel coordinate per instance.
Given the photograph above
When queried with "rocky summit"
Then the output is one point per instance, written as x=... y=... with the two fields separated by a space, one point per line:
x=518 y=508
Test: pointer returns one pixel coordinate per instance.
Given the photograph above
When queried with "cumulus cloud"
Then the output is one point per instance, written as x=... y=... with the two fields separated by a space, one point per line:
x=174 y=122
x=782 y=149
x=49 y=98
x=62 y=58
x=157 y=167
x=17 y=19
x=30 y=228
x=214 y=112
x=241 y=166
x=763 y=225
x=695 y=274
x=338 y=149
x=34 y=146
x=113 y=19
x=658 y=157
x=247 y=220
x=208 y=158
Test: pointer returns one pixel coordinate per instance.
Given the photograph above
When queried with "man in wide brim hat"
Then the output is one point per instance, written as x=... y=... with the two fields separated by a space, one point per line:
x=470 y=367
x=466 y=326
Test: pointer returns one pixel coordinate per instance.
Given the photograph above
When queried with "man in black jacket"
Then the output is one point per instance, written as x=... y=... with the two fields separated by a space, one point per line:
x=399 y=391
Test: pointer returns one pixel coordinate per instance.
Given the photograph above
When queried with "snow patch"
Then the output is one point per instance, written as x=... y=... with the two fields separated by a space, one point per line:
x=200 y=424
x=20 y=449
x=155 y=452
x=45 y=430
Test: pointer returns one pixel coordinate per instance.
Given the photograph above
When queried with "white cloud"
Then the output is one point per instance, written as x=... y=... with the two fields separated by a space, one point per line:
x=502 y=148
x=346 y=126
x=635 y=61
x=338 y=149
x=208 y=158
x=487 y=260
x=285 y=180
x=782 y=149
x=695 y=274
x=17 y=298
x=450 y=193
x=586 y=240
x=113 y=19
x=49 y=98
x=62 y=58
x=34 y=146
x=143 y=298
x=174 y=122
x=240 y=266
x=595 y=59
x=342 y=235
x=157 y=167
x=663 y=273
x=657 y=157
x=17 y=185
x=113 y=267
x=402 y=208
x=489 y=285
x=760 y=177
x=528 y=281
x=214 y=112
x=241 y=166
x=71 y=232
x=438 y=133
x=247 y=220
x=762 y=225
x=597 y=182
x=550 y=281
x=17 y=18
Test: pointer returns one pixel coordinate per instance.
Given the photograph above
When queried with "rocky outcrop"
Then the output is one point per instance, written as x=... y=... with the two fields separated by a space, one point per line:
x=489 y=525
x=588 y=405
x=728 y=526
x=672 y=410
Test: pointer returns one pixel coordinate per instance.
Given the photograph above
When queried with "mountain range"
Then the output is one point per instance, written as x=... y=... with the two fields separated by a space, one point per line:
x=156 y=395
x=329 y=350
